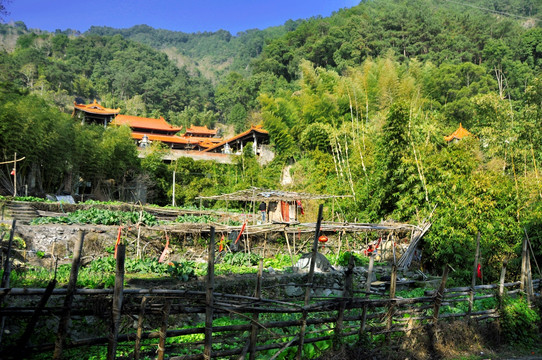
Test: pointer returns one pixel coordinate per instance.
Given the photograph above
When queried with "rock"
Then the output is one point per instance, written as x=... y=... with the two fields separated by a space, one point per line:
x=293 y=290
x=322 y=264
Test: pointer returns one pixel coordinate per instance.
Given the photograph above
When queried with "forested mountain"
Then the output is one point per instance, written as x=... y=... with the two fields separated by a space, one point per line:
x=357 y=103
x=212 y=53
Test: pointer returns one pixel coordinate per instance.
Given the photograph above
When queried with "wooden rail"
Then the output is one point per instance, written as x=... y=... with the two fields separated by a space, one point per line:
x=267 y=327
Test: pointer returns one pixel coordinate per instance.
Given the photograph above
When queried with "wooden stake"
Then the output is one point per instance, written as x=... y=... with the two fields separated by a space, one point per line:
x=367 y=291
x=163 y=330
x=338 y=344
x=440 y=294
x=501 y=280
x=68 y=300
x=474 y=273
x=523 y=265
x=140 y=328
x=23 y=341
x=391 y=305
x=209 y=300
x=309 y=283
x=118 y=297
x=289 y=250
x=255 y=316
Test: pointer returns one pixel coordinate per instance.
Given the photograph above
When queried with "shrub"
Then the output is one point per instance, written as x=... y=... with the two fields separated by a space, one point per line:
x=519 y=322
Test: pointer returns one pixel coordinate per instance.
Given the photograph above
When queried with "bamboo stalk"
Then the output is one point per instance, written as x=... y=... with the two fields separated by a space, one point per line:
x=255 y=316
x=367 y=289
x=209 y=299
x=140 y=319
x=474 y=273
x=309 y=282
x=23 y=341
x=163 y=330
x=439 y=295
x=68 y=300
x=118 y=298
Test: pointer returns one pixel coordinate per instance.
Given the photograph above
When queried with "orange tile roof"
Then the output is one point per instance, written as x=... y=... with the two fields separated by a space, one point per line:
x=145 y=123
x=200 y=130
x=459 y=134
x=95 y=108
x=163 y=138
x=257 y=128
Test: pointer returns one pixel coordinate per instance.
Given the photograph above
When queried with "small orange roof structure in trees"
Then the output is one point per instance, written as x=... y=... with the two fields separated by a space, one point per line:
x=457 y=135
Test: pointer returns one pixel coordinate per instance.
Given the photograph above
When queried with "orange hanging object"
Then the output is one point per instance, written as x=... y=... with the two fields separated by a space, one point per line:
x=323 y=239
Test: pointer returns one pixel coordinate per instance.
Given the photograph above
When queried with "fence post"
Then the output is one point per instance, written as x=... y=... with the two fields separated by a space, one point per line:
x=338 y=342
x=255 y=316
x=23 y=341
x=309 y=283
x=68 y=300
x=391 y=303
x=501 y=280
x=209 y=298
x=523 y=265
x=163 y=330
x=474 y=274
x=7 y=272
x=118 y=297
x=440 y=294
x=139 y=328
x=529 y=278
x=367 y=291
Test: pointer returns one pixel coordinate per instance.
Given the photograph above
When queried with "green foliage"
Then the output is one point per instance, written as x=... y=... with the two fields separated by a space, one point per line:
x=195 y=219
x=519 y=322
x=241 y=259
x=359 y=260
x=99 y=217
x=184 y=270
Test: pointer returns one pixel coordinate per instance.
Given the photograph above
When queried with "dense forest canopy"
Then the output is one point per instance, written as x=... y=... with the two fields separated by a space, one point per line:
x=357 y=103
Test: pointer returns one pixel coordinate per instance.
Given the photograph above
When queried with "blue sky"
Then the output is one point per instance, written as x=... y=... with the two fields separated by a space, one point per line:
x=181 y=15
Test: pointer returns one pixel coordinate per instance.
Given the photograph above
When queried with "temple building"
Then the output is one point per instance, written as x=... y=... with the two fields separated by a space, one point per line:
x=256 y=135
x=94 y=113
x=457 y=135
x=148 y=130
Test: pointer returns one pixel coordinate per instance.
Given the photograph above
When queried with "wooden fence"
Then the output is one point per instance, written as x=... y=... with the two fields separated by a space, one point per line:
x=260 y=327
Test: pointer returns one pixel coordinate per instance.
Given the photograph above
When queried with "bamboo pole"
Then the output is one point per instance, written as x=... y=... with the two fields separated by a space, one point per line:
x=474 y=273
x=209 y=300
x=289 y=250
x=523 y=265
x=118 y=297
x=501 y=280
x=7 y=260
x=163 y=330
x=338 y=344
x=140 y=319
x=367 y=291
x=309 y=283
x=68 y=300
x=23 y=341
x=440 y=294
x=391 y=304
x=529 y=284
x=255 y=316
x=7 y=273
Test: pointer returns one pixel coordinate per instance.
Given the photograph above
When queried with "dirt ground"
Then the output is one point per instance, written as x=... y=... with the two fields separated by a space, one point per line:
x=454 y=340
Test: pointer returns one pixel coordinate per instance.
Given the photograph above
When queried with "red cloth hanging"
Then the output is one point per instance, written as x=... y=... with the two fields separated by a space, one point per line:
x=221 y=244
x=300 y=206
x=479 y=271
x=241 y=232
x=164 y=253
x=285 y=211
x=118 y=240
